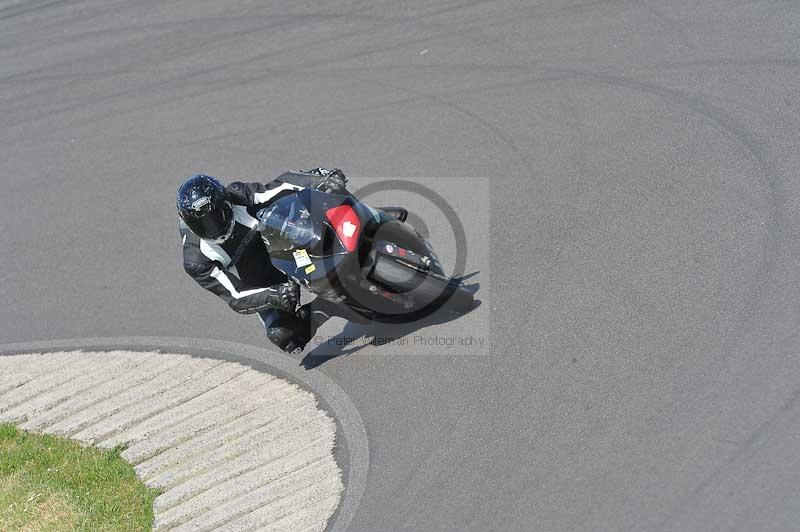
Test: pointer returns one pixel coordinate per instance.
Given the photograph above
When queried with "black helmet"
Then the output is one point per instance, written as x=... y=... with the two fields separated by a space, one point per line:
x=203 y=207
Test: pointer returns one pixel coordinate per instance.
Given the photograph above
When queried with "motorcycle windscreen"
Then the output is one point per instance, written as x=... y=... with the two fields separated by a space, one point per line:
x=287 y=225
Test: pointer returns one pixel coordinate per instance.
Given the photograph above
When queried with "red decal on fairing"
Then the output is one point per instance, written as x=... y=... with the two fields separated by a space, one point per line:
x=346 y=224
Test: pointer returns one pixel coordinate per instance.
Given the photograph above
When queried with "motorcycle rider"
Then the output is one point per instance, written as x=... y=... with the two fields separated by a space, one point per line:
x=224 y=253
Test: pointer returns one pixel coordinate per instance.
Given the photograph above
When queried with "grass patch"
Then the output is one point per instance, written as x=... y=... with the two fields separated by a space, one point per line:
x=49 y=483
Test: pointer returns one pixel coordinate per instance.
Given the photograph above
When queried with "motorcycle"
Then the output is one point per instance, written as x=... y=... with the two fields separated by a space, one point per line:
x=353 y=255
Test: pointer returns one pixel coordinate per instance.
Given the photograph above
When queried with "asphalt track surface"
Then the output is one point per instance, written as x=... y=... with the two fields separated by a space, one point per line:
x=639 y=266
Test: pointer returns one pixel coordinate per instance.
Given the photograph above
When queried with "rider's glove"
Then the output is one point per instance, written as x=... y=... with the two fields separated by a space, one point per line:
x=333 y=181
x=284 y=296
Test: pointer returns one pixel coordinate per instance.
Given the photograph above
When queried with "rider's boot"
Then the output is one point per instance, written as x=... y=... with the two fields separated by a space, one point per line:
x=284 y=329
x=292 y=331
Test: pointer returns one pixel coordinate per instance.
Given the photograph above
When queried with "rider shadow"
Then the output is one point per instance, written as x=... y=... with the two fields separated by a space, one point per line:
x=356 y=336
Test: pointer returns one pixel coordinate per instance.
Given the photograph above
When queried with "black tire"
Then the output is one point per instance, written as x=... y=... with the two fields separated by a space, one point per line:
x=429 y=291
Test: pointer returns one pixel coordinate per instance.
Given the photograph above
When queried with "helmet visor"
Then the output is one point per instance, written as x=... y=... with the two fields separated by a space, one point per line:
x=214 y=224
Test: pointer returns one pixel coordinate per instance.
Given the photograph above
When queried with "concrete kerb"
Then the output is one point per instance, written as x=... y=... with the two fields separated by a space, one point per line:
x=352 y=449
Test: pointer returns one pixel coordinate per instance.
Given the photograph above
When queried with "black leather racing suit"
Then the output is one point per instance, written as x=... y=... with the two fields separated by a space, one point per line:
x=239 y=270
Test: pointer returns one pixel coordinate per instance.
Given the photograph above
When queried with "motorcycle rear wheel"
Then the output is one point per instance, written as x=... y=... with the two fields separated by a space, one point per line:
x=430 y=291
